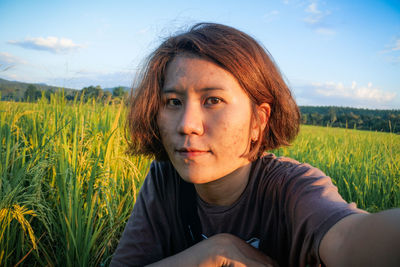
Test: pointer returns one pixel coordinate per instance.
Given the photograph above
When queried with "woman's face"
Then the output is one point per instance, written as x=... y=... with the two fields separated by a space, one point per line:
x=204 y=120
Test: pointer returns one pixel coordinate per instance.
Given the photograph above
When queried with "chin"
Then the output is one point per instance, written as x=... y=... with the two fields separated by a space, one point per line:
x=196 y=177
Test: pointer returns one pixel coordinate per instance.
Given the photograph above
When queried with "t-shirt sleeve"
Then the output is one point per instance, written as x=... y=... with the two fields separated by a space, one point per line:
x=145 y=234
x=312 y=206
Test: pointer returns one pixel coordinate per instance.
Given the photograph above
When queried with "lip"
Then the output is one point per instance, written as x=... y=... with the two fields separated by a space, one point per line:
x=188 y=152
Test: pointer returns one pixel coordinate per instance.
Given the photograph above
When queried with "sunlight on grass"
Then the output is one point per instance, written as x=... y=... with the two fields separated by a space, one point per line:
x=67 y=186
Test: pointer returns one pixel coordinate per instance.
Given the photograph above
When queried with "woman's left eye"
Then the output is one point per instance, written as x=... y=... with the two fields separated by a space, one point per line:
x=213 y=100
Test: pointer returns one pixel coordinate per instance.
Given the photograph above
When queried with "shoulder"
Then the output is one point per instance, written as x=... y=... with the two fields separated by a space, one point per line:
x=300 y=187
x=286 y=170
x=288 y=165
x=307 y=198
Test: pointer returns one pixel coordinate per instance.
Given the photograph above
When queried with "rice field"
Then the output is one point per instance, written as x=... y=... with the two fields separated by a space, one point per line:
x=67 y=186
x=364 y=165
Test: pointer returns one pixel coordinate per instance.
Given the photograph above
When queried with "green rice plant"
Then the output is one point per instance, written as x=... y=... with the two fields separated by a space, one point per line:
x=73 y=157
x=8 y=217
x=67 y=187
x=21 y=199
x=364 y=165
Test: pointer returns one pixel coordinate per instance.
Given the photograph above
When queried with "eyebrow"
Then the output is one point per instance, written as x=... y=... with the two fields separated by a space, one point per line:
x=181 y=92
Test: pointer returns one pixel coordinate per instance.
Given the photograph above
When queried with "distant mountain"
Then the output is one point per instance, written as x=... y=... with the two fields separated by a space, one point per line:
x=43 y=86
x=15 y=90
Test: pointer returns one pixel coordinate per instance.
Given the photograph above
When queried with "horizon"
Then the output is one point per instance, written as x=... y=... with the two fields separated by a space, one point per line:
x=300 y=106
x=331 y=53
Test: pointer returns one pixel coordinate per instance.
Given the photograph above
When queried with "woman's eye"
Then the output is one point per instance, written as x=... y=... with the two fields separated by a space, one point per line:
x=173 y=102
x=213 y=100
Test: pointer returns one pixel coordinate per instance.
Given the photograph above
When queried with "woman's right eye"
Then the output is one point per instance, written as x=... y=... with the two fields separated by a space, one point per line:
x=173 y=102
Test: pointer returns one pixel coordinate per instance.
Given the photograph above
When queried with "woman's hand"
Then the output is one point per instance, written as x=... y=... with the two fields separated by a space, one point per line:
x=219 y=250
x=233 y=251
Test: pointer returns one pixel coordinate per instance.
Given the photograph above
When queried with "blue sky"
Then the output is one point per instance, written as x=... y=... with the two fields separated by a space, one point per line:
x=343 y=53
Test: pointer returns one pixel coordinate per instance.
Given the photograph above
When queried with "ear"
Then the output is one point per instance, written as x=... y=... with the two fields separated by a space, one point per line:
x=264 y=112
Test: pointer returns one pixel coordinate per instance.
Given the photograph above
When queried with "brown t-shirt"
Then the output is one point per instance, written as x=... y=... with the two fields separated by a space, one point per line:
x=285 y=210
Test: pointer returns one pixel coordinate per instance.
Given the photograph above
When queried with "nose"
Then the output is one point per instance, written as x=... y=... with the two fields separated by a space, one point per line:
x=191 y=121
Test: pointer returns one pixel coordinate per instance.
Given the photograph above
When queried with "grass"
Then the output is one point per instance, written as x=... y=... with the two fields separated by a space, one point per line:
x=364 y=165
x=67 y=187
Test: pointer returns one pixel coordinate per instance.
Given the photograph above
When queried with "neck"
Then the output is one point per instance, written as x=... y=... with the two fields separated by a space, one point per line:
x=226 y=190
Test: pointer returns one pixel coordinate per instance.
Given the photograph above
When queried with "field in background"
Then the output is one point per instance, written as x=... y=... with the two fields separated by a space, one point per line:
x=67 y=187
x=364 y=165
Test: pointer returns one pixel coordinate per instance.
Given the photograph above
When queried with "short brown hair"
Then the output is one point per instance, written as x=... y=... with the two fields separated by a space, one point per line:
x=234 y=51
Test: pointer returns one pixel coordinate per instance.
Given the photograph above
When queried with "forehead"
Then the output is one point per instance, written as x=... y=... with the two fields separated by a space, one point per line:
x=185 y=72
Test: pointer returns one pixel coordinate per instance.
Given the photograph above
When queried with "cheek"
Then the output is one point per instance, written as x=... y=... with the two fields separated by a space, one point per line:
x=163 y=129
x=235 y=136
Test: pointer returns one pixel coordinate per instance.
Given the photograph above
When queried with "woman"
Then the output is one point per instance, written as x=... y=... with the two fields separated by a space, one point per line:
x=210 y=102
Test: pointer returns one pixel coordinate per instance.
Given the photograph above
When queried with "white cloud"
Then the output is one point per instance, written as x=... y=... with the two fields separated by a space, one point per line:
x=312 y=8
x=393 y=47
x=355 y=92
x=8 y=61
x=396 y=46
x=7 y=58
x=316 y=19
x=315 y=15
x=50 y=44
x=392 y=52
x=83 y=78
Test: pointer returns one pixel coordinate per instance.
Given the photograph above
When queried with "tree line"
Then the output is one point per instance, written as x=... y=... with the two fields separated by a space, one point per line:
x=352 y=118
x=33 y=93
x=344 y=117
